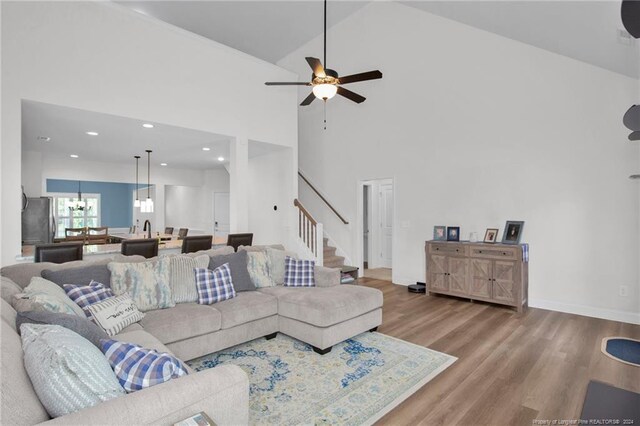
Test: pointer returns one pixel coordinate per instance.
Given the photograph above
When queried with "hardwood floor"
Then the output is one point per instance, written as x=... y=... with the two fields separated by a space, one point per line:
x=511 y=368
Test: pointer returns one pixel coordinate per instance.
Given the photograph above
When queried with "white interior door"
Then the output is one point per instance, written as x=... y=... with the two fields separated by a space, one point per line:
x=386 y=223
x=221 y=214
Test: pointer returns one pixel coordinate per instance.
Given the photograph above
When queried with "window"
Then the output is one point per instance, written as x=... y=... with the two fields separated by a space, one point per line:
x=69 y=218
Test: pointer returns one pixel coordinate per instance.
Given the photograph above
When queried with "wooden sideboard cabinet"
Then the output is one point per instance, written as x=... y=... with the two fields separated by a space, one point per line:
x=493 y=273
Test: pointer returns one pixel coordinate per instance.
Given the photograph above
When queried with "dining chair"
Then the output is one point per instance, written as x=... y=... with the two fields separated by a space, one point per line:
x=98 y=235
x=75 y=234
x=168 y=230
x=182 y=232
x=147 y=247
x=196 y=243
x=237 y=240
x=58 y=253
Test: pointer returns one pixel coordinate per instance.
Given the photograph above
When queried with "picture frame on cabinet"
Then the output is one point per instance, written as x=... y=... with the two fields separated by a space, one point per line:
x=439 y=233
x=512 y=232
x=453 y=233
x=491 y=235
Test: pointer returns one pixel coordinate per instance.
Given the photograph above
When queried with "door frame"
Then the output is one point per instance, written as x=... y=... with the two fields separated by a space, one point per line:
x=374 y=212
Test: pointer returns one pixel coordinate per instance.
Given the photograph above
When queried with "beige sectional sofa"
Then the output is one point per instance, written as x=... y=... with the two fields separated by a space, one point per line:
x=320 y=316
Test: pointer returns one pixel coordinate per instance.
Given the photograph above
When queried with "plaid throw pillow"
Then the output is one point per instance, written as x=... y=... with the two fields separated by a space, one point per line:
x=299 y=273
x=214 y=286
x=138 y=368
x=87 y=295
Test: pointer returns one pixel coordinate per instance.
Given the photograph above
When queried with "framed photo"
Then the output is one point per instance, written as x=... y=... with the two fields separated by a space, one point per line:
x=453 y=233
x=512 y=232
x=491 y=236
x=440 y=233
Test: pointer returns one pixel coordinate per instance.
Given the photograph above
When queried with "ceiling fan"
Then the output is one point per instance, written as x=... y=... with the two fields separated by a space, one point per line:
x=630 y=14
x=326 y=82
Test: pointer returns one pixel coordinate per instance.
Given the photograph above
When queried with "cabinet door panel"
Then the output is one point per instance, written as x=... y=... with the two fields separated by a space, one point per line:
x=437 y=269
x=457 y=274
x=481 y=274
x=504 y=284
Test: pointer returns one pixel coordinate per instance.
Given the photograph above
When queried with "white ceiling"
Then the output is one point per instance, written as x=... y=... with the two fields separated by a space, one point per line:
x=119 y=138
x=583 y=30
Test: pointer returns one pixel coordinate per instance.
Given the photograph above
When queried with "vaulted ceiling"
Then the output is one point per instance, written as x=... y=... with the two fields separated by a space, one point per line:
x=589 y=31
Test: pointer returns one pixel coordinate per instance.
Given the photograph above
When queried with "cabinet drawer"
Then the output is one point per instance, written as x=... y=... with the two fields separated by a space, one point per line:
x=492 y=252
x=451 y=249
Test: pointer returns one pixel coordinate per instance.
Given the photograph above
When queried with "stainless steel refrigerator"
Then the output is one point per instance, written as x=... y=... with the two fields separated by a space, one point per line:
x=38 y=221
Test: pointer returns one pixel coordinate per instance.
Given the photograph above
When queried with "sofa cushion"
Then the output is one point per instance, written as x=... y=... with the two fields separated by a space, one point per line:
x=146 y=282
x=245 y=307
x=258 y=267
x=181 y=322
x=182 y=276
x=67 y=371
x=8 y=314
x=239 y=272
x=20 y=404
x=80 y=276
x=82 y=326
x=138 y=368
x=260 y=248
x=43 y=295
x=324 y=307
x=115 y=314
x=216 y=251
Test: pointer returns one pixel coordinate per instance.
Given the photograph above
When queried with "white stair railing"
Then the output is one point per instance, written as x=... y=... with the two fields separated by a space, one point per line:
x=310 y=234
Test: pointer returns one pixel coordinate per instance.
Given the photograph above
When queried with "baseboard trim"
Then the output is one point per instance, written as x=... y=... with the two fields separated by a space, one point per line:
x=587 y=311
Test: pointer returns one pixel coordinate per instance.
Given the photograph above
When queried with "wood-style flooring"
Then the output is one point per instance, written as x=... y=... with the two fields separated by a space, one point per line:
x=511 y=368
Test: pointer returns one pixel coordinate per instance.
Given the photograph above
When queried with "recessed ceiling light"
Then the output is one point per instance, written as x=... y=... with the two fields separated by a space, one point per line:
x=92 y=133
x=44 y=138
x=220 y=158
x=206 y=149
x=163 y=164
x=74 y=156
x=147 y=125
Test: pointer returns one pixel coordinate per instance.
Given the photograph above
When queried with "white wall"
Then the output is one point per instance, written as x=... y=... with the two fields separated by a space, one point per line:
x=476 y=129
x=102 y=57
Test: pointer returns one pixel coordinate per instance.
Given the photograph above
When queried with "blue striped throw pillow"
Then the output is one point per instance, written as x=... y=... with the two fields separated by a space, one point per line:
x=138 y=368
x=299 y=273
x=214 y=286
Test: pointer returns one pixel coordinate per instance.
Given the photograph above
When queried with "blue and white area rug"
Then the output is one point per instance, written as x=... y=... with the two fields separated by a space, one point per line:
x=356 y=383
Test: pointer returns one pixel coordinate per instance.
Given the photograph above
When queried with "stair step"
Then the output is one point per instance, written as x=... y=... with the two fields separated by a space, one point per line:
x=329 y=251
x=334 y=261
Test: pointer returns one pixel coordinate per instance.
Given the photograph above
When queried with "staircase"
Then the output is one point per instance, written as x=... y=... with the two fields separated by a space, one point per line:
x=330 y=258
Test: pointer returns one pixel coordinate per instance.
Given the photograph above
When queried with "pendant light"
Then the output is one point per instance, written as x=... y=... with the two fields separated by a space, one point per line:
x=147 y=205
x=80 y=204
x=137 y=202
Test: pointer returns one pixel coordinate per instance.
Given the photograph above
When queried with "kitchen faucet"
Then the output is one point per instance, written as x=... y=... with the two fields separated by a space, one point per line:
x=146 y=222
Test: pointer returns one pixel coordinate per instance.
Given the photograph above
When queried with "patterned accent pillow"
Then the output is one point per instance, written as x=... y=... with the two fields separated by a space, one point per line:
x=87 y=295
x=43 y=295
x=138 y=368
x=146 y=282
x=183 y=278
x=258 y=267
x=275 y=259
x=67 y=371
x=214 y=286
x=299 y=273
x=116 y=313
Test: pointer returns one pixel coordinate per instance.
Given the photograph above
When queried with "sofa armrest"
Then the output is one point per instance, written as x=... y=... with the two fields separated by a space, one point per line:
x=327 y=277
x=221 y=392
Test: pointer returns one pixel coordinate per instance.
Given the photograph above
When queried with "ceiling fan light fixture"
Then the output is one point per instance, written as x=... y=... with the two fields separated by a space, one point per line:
x=325 y=91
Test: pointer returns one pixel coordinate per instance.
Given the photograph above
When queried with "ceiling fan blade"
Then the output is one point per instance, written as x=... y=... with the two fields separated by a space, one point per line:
x=634 y=136
x=351 y=95
x=308 y=99
x=271 y=83
x=630 y=14
x=316 y=66
x=363 y=76
x=631 y=118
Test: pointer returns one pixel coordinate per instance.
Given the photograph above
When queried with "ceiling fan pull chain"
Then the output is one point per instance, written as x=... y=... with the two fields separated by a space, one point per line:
x=325 y=114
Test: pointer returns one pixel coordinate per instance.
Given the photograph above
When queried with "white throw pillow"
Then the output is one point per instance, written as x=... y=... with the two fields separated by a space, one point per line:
x=67 y=371
x=146 y=282
x=45 y=295
x=116 y=313
x=183 y=277
x=276 y=263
